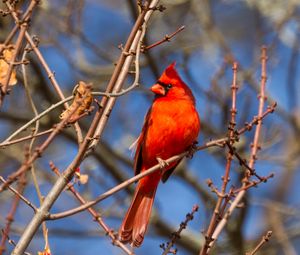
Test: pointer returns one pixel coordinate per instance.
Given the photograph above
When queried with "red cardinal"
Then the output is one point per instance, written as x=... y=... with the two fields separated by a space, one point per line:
x=171 y=127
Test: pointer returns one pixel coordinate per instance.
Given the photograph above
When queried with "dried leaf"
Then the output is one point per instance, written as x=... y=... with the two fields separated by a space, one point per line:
x=82 y=178
x=81 y=91
x=4 y=65
x=45 y=252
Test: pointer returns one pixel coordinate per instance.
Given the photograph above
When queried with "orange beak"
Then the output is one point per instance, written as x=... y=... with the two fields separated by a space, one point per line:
x=158 y=90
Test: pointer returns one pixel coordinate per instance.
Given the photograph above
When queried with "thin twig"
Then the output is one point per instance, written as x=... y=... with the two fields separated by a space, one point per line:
x=222 y=197
x=25 y=138
x=23 y=24
x=34 y=120
x=53 y=107
x=50 y=74
x=39 y=150
x=126 y=58
x=243 y=162
x=176 y=235
x=167 y=38
x=113 y=190
x=12 y=242
x=97 y=217
x=4 y=86
x=264 y=240
x=254 y=183
x=36 y=129
x=13 y=210
x=8 y=39
x=16 y=192
x=254 y=149
x=135 y=83
x=62 y=181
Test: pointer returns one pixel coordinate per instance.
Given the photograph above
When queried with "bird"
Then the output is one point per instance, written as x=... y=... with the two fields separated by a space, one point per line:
x=171 y=127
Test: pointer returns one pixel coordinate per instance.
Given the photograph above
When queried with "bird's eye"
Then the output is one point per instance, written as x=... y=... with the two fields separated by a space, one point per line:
x=169 y=86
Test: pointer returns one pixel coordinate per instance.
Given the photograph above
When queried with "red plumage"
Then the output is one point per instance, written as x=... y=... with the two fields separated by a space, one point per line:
x=171 y=127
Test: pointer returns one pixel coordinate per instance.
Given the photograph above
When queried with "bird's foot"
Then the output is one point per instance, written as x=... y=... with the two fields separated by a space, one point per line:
x=192 y=150
x=162 y=163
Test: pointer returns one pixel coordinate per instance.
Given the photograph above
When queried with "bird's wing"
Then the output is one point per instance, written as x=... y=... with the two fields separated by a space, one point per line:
x=138 y=158
x=168 y=172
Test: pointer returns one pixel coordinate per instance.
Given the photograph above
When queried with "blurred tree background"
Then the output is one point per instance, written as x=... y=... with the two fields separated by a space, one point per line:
x=81 y=40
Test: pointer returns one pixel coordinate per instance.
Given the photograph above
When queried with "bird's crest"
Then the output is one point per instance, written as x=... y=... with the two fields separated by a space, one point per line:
x=170 y=75
x=171 y=72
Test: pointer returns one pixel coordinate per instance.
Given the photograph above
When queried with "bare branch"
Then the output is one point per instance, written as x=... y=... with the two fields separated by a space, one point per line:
x=176 y=235
x=98 y=120
x=264 y=240
x=167 y=38
x=97 y=217
x=254 y=149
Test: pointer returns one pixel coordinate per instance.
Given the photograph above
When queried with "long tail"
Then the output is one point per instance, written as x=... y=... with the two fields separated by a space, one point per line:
x=136 y=220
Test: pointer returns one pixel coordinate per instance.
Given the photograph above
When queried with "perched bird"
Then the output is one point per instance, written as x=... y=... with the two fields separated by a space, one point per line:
x=171 y=127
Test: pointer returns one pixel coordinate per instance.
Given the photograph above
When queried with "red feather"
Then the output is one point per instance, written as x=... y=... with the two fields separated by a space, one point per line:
x=171 y=127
